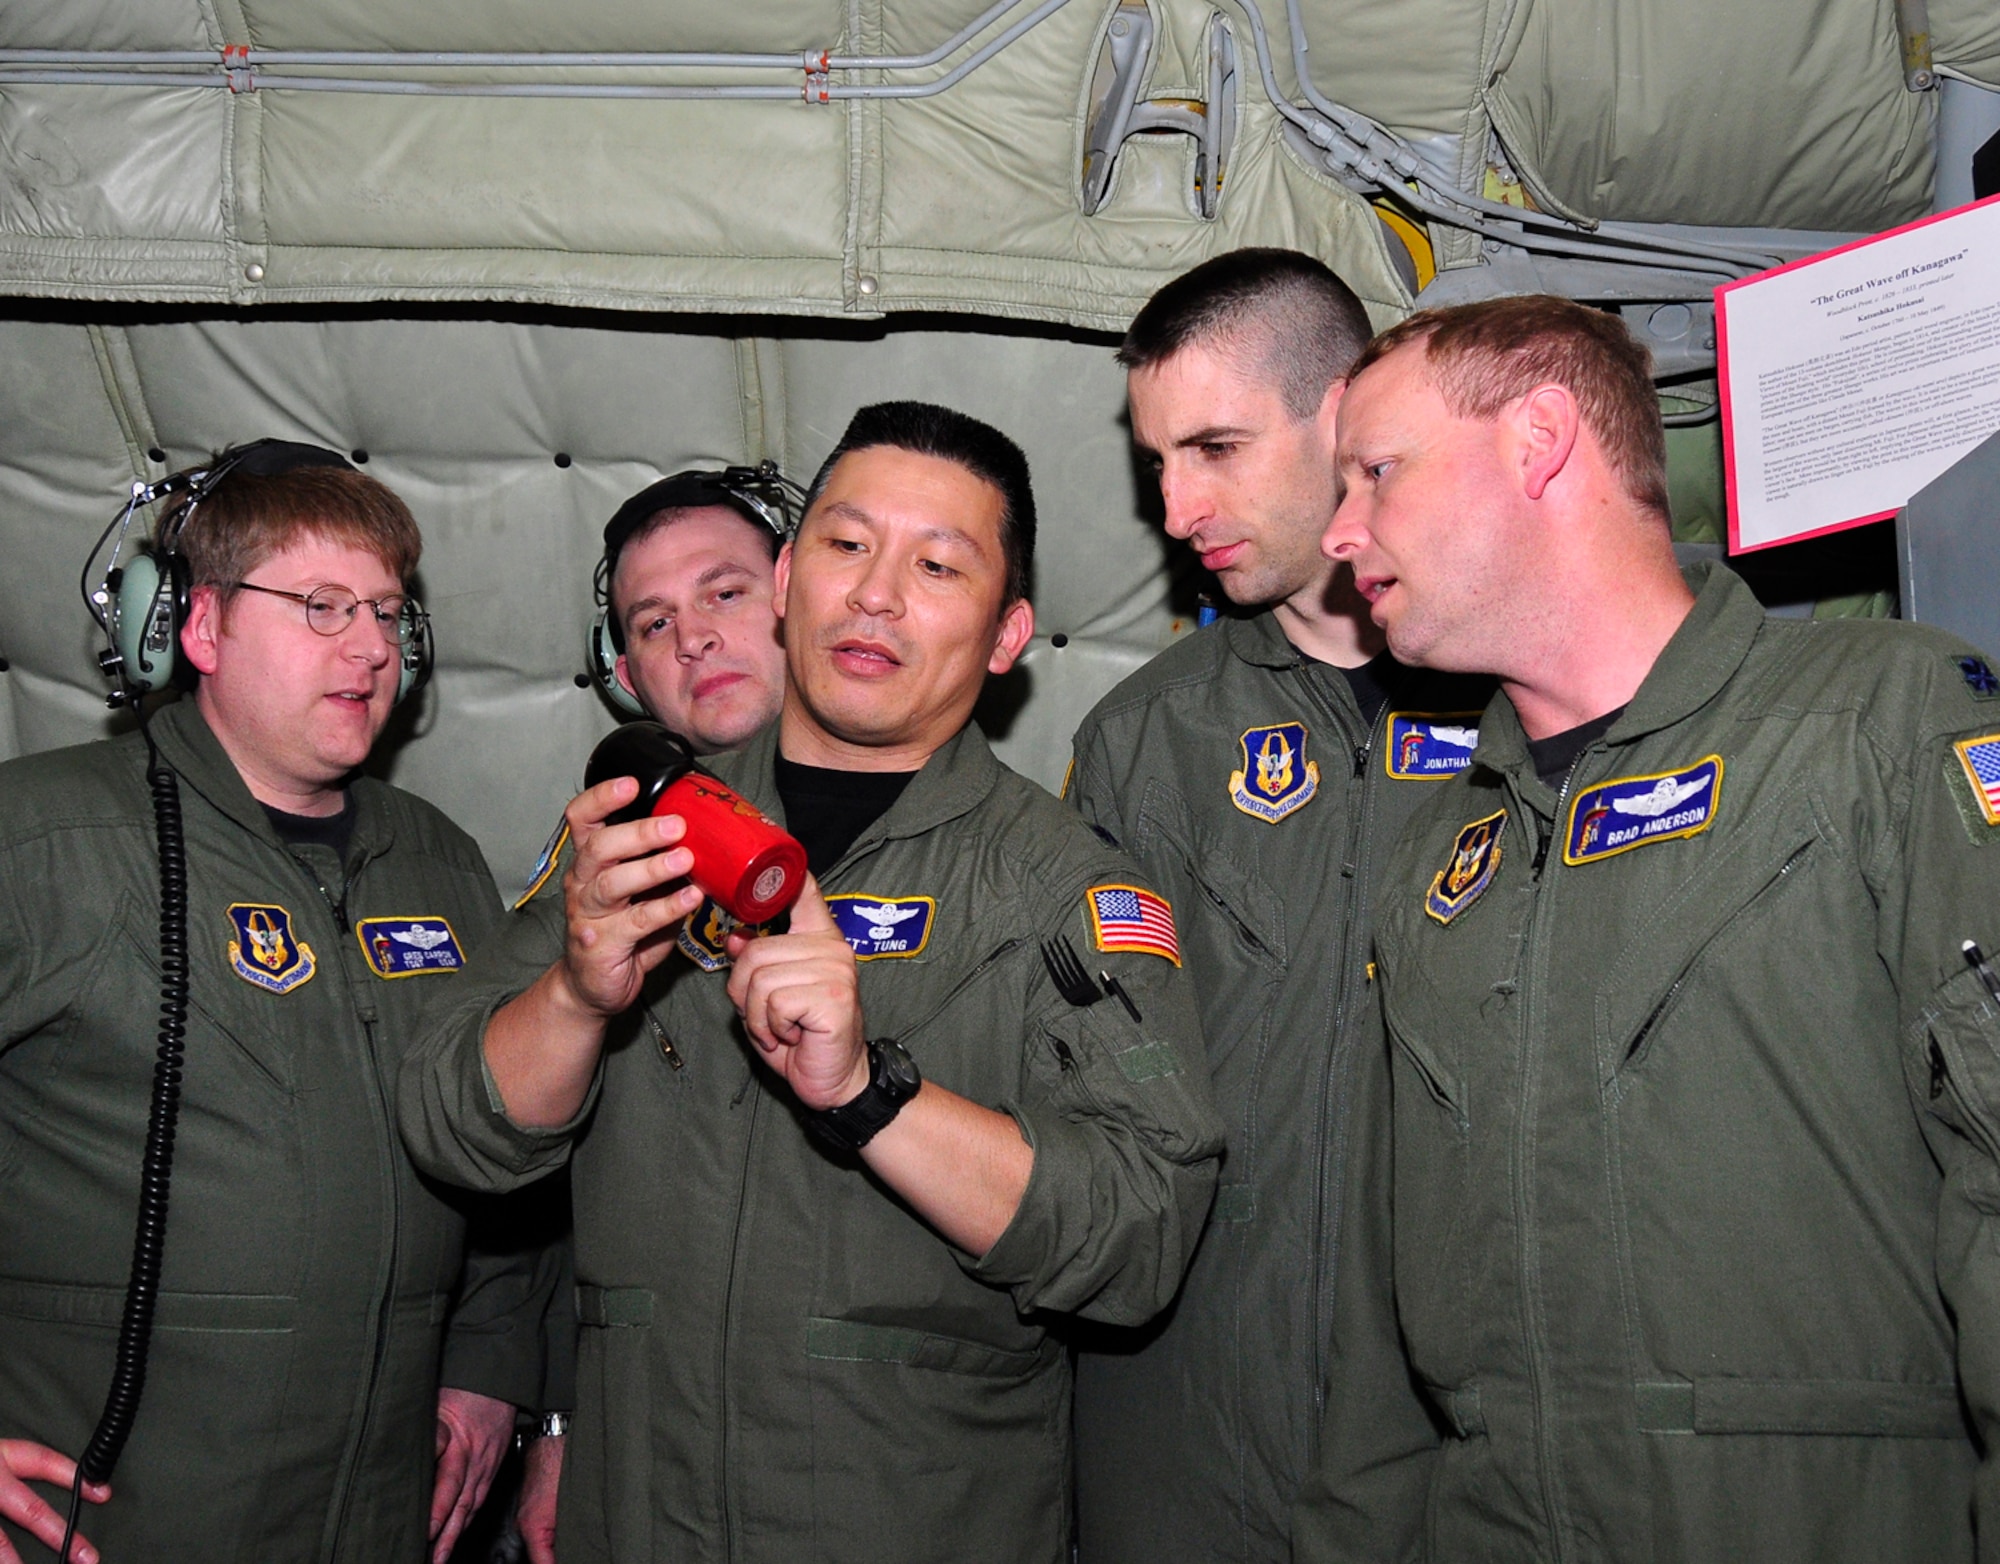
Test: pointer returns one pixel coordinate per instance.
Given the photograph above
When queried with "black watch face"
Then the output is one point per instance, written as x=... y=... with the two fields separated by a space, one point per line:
x=899 y=1070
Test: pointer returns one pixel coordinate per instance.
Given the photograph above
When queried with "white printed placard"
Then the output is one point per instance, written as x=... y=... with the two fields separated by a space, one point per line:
x=1852 y=379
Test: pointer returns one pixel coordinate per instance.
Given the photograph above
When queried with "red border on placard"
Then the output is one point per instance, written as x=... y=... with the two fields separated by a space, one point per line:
x=1722 y=376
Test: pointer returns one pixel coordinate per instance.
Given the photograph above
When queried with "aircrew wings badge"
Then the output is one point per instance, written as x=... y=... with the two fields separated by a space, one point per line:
x=1475 y=855
x=265 y=953
x=407 y=947
x=1130 y=917
x=1981 y=759
x=1615 y=817
x=878 y=926
x=1430 y=745
x=1276 y=779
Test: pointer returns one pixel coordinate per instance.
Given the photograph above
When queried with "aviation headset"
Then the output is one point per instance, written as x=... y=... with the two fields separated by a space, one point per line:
x=761 y=494
x=143 y=605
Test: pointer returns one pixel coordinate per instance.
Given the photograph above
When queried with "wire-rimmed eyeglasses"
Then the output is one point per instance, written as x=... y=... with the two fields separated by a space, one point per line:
x=331 y=609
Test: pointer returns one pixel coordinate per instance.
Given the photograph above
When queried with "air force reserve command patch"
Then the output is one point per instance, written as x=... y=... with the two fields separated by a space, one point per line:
x=1981 y=759
x=702 y=934
x=1430 y=745
x=264 y=951
x=406 y=947
x=1276 y=779
x=1615 y=817
x=878 y=926
x=1475 y=854
x=1130 y=917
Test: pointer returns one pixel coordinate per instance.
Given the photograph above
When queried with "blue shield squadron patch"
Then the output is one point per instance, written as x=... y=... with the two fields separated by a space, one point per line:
x=1276 y=779
x=264 y=951
x=408 y=947
x=1979 y=677
x=878 y=926
x=544 y=865
x=1430 y=745
x=1615 y=817
x=1475 y=855
x=702 y=935
x=1981 y=759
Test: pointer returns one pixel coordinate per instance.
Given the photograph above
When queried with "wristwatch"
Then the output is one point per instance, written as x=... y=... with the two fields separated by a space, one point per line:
x=893 y=1080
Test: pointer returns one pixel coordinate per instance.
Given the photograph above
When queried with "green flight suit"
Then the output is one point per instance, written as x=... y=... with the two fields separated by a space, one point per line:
x=1194 y=1432
x=1696 y=1107
x=290 y=1401
x=780 y=1361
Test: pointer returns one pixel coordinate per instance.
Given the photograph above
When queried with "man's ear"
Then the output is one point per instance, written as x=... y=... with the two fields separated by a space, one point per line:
x=202 y=634
x=1324 y=419
x=781 y=580
x=624 y=677
x=1017 y=628
x=1544 y=424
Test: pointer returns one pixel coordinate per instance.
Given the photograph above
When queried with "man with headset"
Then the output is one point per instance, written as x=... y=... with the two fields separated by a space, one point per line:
x=688 y=636
x=833 y=1182
x=311 y=1288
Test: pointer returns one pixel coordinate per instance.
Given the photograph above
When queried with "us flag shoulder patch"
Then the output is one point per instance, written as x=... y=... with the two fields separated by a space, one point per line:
x=1130 y=917
x=1981 y=759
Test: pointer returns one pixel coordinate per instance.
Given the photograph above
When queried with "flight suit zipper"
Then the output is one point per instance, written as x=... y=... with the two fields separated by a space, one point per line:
x=1326 y=1203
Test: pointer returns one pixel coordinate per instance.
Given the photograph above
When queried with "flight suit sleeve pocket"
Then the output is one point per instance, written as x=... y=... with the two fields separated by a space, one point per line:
x=1953 y=1071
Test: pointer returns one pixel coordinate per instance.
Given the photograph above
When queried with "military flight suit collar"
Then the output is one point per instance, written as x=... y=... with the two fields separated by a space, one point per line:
x=1261 y=641
x=189 y=745
x=1691 y=670
x=957 y=776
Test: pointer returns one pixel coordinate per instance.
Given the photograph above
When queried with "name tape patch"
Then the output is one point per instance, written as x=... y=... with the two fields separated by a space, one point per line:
x=1981 y=759
x=408 y=947
x=878 y=926
x=1428 y=746
x=1130 y=917
x=1475 y=856
x=264 y=952
x=1276 y=779
x=1615 y=817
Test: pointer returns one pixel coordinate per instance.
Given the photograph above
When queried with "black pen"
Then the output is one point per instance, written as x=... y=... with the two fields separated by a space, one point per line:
x=1976 y=959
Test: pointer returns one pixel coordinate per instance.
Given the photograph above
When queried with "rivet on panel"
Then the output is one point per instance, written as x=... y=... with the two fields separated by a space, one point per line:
x=562 y=458
x=358 y=456
x=254 y=272
x=867 y=285
x=1058 y=640
x=155 y=454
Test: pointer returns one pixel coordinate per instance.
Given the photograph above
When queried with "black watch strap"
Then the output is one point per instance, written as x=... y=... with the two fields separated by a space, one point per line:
x=893 y=1080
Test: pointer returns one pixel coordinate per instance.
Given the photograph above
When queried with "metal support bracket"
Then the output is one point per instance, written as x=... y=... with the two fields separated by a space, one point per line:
x=1117 y=113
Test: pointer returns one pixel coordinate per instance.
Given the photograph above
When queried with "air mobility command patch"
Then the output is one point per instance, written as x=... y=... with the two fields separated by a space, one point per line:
x=1475 y=855
x=1615 y=817
x=1276 y=779
x=1979 y=677
x=1430 y=745
x=1130 y=917
x=407 y=947
x=1981 y=759
x=878 y=926
x=264 y=952
x=544 y=865
x=702 y=936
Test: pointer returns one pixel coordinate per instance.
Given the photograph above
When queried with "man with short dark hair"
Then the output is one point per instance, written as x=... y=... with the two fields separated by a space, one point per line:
x=1694 y=1110
x=291 y=1407
x=1260 y=770
x=832 y=1183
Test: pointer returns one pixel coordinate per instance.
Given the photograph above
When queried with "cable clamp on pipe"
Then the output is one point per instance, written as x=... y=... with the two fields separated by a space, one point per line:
x=236 y=61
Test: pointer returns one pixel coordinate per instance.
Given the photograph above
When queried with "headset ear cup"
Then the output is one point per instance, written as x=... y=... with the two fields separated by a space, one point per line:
x=149 y=607
x=602 y=657
x=417 y=655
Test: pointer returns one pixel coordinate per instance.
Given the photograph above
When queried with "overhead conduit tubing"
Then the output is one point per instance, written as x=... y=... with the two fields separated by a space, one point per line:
x=125 y=68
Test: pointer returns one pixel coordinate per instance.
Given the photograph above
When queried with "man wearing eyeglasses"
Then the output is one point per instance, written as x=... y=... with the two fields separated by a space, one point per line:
x=312 y=1298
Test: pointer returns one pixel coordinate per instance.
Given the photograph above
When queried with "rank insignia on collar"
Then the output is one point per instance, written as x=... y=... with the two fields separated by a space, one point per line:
x=1981 y=759
x=1475 y=855
x=264 y=952
x=884 y=925
x=1430 y=745
x=1615 y=817
x=1979 y=677
x=702 y=934
x=1276 y=779
x=408 y=947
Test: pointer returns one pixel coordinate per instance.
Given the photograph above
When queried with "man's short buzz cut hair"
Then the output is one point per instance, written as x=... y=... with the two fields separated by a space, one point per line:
x=1484 y=355
x=986 y=453
x=1291 y=321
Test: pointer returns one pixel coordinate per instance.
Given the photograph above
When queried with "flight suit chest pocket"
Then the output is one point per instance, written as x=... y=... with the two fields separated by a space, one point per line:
x=1233 y=916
